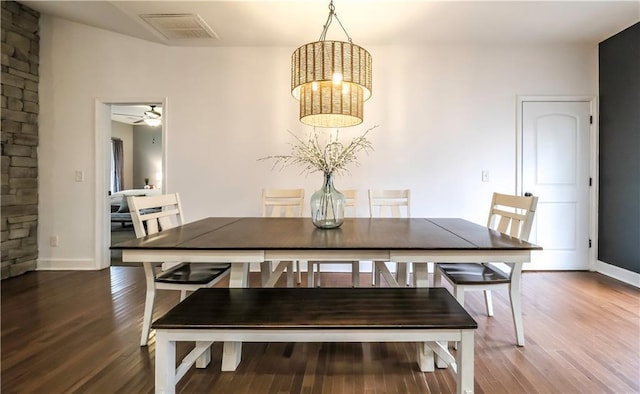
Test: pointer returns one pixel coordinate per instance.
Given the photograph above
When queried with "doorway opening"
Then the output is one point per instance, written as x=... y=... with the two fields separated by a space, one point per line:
x=130 y=161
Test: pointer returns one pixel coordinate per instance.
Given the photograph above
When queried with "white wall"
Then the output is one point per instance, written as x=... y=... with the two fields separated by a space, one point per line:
x=147 y=156
x=125 y=133
x=445 y=113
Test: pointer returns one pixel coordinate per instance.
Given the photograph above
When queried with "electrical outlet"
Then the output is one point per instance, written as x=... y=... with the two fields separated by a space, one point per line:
x=54 y=241
x=79 y=176
x=485 y=176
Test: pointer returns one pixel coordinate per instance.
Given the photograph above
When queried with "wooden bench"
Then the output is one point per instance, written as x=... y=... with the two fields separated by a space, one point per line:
x=238 y=315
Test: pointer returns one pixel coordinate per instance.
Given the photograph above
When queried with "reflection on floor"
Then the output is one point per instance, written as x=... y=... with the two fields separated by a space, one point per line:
x=120 y=233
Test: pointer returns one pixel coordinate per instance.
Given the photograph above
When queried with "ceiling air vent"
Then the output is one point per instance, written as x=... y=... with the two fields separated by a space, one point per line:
x=180 y=26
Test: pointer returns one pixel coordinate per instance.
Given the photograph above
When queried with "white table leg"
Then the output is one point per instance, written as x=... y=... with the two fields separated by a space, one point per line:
x=231 y=356
x=420 y=275
x=205 y=358
x=425 y=357
x=239 y=276
x=165 y=364
x=232 y=351
x=464 y=360
x=382 y=268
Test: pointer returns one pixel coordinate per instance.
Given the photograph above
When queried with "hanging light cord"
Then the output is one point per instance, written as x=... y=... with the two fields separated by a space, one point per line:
x=332 y=13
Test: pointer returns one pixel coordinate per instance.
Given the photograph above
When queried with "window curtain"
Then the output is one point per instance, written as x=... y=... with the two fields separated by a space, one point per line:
x=117 y=165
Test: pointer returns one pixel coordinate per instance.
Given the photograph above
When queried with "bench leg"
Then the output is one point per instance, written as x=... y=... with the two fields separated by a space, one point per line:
x=464 y=360
x=231 y=356
x=165 y=364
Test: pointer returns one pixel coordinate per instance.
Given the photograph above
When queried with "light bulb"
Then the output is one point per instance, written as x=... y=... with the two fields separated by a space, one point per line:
x=314 y=86
x=337 y=78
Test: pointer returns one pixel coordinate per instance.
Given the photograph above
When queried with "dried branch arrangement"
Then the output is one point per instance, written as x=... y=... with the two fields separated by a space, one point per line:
x=316 y=155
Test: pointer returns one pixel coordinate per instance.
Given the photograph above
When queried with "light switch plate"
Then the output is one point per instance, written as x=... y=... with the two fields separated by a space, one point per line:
x=485 y=176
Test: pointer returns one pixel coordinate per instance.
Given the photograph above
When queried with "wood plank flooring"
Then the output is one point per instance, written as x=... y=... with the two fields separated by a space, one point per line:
x=66 y=332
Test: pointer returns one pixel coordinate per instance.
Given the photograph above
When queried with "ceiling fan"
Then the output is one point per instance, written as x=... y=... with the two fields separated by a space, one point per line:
x=152 y=117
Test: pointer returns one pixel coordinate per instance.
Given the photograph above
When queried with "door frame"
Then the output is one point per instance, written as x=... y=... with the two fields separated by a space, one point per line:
x=593 y=160
x=102 y=130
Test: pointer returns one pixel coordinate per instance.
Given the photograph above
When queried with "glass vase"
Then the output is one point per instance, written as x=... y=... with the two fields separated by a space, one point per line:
x=327 y=205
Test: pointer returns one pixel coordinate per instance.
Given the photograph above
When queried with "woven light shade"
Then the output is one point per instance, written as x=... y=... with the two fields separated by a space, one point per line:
x=331 y=79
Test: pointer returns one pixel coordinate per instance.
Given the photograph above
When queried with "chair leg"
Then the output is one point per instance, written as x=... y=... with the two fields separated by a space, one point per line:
x=488 y=302
x=265 y=272
x=299 y=271
x=318 y=281
x=516 y=311
x=458 y=293
x=148 y=303
x=183 y=295
x=437 y=276
x=290 y=274
x=355 y=273
x=376 y=274
x=373 y=273
x=310 y=274
x=514 y=297
x=402 y=273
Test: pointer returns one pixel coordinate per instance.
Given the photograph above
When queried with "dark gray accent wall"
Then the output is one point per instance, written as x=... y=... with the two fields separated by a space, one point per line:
x=20 y=61
x=619 y=187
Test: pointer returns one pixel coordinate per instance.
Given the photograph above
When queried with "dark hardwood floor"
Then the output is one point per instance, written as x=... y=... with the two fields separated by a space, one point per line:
x=78 y=332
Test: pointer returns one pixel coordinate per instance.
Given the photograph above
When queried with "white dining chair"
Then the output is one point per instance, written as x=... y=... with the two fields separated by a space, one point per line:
x=151 y=215
x=511 y=215
x=314 y=270
x=281 y=203
x=394 y=204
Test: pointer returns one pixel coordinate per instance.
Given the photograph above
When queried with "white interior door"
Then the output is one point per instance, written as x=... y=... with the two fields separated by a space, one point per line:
x=555 y=167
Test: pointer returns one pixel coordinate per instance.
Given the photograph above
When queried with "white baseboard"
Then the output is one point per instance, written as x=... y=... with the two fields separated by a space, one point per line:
x=66 y=265
x=618 y=273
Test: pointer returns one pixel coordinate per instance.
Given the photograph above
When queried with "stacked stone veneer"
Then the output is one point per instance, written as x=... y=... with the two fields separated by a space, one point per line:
x=19 y=136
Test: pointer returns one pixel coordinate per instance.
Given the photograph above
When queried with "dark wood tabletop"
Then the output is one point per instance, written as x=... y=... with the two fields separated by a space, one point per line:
x=255 y=233
x=327 y=308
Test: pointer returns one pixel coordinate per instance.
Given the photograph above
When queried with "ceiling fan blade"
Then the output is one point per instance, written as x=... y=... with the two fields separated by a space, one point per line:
x=138 y=121
x=131 y=115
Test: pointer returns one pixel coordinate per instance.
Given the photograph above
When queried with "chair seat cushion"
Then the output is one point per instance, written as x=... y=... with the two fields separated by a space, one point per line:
x=193 y=273
x=472 y=273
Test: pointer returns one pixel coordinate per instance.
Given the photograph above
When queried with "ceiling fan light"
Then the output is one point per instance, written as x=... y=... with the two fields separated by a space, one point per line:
x=153 y=122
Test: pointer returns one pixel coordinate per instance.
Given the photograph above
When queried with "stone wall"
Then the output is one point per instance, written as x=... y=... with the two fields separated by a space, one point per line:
x=19 y=137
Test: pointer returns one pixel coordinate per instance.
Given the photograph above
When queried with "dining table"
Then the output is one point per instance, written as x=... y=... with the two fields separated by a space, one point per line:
x=245 y=240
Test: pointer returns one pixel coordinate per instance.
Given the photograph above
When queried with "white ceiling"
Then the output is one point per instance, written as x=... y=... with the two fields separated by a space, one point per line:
x=130 y=114
x=369 y=22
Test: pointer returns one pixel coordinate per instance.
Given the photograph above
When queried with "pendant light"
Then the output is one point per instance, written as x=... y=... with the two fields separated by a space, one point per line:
x=331 y=79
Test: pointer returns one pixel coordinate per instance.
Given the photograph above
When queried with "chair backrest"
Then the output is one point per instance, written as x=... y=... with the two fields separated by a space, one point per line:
x=282 y=202
x=350 y=203
x=389 y=203
x=152 y=214
x=512 y=215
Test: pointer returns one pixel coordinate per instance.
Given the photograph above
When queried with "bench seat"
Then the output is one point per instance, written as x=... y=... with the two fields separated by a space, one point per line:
x=238 y=315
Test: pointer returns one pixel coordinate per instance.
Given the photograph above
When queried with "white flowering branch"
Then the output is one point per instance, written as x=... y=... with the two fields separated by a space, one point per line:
x=314 y=156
